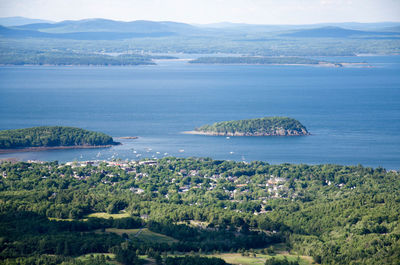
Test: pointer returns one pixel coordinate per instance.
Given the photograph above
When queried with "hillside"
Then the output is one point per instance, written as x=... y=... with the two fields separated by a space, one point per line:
x=91 y=36
x=52 y=136
x=336 y=214
x=333 y=32
x=19 y=21
x=106 y=25
x=268 y=126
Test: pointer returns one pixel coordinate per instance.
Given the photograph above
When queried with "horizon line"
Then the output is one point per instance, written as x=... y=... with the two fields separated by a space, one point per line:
x=210 y=23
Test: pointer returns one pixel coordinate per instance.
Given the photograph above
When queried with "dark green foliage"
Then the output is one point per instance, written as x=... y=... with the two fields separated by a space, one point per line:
x=48 y=136
x=126 y=254
x=27 y=234
x=261 y=126
x=336 y=214
x=69 y=58
x=196 y=260
x=195 y=239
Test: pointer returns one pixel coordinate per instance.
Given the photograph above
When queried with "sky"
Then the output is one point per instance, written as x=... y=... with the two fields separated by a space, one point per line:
x=209 y=11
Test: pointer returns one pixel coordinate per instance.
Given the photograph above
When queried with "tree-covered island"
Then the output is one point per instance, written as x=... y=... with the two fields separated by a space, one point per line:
x=49 y=137
x=267 y=126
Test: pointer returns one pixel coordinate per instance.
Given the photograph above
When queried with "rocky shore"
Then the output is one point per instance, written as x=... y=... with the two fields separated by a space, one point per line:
x=278 y=132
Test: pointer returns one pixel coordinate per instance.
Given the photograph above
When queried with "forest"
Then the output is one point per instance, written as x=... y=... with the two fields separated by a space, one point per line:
x=266 y=126
x=49 y=136
x=29 y=57
x=176 y=209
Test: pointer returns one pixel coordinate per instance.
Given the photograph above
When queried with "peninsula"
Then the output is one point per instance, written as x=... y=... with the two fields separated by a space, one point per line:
x=267 y=126
x=52 y=137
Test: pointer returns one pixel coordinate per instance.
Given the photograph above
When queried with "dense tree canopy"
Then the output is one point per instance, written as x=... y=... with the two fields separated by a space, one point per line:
x=256 y=127
x=47 y=136
x=336 y=214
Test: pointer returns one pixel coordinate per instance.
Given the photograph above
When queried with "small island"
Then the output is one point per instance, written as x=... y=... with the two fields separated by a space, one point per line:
x=267 y=126
x=52 y=137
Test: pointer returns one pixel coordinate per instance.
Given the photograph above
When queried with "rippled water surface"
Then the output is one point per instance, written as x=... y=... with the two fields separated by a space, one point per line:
x=352 y=113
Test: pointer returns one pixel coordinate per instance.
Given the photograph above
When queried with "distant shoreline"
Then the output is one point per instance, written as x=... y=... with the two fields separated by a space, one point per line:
x=127 y=137
x=320 y=64
x=45 y=148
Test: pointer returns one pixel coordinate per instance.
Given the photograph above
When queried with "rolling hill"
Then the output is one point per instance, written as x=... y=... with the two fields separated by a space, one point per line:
x=333 y=32
x=106 y=25
x=18 y=21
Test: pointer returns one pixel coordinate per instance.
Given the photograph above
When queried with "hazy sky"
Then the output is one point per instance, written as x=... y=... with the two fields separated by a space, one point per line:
x=209 y=11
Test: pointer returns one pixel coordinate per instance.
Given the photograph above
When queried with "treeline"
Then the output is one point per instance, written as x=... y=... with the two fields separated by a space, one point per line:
x=254 y=60
x=260 y=126
x=194 y=239
x=47 y=136
x=26 y=57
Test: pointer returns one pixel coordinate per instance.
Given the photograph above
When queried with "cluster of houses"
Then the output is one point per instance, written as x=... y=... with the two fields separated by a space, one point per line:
x=275 y=186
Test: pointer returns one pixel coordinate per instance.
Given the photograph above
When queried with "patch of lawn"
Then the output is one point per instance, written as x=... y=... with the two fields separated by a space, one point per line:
x=143 y=234
x=108 y=215
x=237 y=258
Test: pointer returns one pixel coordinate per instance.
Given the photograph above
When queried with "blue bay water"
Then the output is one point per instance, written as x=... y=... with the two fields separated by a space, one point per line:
x=352 y=113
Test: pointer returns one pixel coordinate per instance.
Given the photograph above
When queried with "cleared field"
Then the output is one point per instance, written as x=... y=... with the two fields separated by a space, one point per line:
x=59 y=219
x=143 y=234
x=237 y=258
x=108 y=216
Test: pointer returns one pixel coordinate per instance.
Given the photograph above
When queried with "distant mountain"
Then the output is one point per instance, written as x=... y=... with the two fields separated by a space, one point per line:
x=105 y=29
x=392 y=29
x=18 y=21
x=105 y=25
x=379 y=26
x=333 y=32
x=19 y=33
x=15 y=33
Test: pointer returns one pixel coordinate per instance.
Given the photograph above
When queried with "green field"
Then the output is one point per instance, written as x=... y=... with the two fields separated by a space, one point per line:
x=237 y=258
x=143 y=234
x=108 y=215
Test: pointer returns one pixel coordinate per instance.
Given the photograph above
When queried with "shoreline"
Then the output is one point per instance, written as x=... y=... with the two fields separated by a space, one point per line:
x=127 y=137
x=319 y=64
x=45 y=148
x=238 y=134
